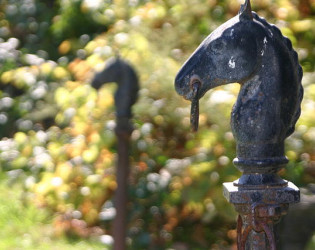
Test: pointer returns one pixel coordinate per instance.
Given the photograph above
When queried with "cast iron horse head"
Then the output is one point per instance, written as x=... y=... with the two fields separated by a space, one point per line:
x=248 y=50
x=121 y=72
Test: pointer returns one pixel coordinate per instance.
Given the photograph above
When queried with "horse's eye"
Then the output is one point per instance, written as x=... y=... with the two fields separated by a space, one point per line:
x=217 y=46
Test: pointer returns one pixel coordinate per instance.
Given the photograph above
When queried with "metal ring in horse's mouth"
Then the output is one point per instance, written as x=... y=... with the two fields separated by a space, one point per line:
x=195 y=80
x=195 y=86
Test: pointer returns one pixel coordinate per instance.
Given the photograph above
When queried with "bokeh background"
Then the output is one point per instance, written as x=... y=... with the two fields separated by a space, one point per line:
x=58 y=146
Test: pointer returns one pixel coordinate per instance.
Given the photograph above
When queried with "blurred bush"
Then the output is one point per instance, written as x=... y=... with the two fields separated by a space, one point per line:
x=58 y=133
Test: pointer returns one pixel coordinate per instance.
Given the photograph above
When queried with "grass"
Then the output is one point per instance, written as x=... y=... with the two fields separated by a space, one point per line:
x=311 y=244
x=27 y=227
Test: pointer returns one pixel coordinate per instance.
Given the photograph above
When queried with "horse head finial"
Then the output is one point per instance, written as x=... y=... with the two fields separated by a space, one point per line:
x=245 y=12
x=248 y=50
x=120 y=71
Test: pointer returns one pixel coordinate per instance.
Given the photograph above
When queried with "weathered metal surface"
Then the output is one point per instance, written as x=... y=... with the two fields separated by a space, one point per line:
x=123 y=74
x=248 y=50
x=239 y=195
x=255 y=225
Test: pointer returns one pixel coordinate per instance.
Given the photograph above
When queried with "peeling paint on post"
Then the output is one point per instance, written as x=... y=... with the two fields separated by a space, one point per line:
x=248 y=50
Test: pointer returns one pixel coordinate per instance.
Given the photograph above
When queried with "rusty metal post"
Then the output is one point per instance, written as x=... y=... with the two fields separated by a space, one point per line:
x=124 y=75
x=248 y=50
x=123 y=131
x=260 y=208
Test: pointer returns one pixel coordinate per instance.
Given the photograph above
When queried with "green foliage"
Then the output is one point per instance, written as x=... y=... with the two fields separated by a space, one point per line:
x=58 y=133
x=76 y=18
x=27 y=227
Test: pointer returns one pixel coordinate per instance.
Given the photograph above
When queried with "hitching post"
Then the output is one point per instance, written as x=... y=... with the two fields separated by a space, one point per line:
x=124 y=75
x=248 y=50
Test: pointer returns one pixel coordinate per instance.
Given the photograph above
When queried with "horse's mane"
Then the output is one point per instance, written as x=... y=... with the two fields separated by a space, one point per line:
x=286 y=46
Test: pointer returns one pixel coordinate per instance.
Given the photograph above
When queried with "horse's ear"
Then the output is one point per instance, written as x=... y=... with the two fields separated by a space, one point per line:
x=245 y=12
